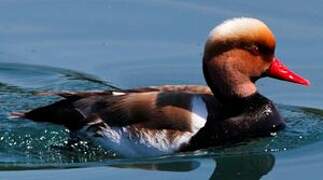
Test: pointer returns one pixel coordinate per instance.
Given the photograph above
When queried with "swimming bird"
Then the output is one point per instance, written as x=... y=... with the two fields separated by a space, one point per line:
x=167 y=119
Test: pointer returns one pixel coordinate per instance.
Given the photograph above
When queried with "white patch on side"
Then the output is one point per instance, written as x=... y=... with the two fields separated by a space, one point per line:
x=235 y=27
x=136 y=143
x=199 y=114
x=110 y=139
x=115 y=93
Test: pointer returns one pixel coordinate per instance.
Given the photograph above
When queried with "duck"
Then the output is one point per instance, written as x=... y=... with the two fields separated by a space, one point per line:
x=166 y=119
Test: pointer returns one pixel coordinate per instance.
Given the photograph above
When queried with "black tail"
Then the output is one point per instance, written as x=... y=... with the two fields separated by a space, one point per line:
x=62 y=113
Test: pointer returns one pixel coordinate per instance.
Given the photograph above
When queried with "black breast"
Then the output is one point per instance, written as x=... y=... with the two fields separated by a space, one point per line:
x=253 y=116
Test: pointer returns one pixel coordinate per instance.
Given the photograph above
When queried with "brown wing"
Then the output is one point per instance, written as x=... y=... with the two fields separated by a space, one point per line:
x=155 y=110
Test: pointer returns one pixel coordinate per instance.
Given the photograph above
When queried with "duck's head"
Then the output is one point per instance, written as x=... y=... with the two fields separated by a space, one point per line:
x=237 y=53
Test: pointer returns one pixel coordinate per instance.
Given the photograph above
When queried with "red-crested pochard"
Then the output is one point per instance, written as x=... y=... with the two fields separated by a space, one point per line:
x=174 y=118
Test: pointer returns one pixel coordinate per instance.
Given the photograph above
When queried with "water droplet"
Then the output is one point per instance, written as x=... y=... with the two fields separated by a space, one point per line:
x=273 y=134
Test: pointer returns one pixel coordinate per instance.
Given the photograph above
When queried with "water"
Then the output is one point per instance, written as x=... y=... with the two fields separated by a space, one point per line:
x=93 y=45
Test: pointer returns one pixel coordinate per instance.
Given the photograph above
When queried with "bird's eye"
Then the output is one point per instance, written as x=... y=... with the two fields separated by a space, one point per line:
x=254 y=49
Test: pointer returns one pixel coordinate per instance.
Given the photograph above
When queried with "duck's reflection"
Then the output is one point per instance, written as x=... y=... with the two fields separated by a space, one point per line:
x=243 y=166
x=178 y=166
x=247 y=167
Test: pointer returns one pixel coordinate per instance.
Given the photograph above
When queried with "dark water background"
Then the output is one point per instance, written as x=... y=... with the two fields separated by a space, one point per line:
x=103 y=44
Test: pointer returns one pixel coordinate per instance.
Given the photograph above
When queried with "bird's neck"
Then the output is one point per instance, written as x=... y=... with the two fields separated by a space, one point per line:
x=231 y=86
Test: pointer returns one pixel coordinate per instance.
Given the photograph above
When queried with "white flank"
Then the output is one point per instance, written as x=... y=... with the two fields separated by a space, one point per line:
x=136 y=143
x=199 y=114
